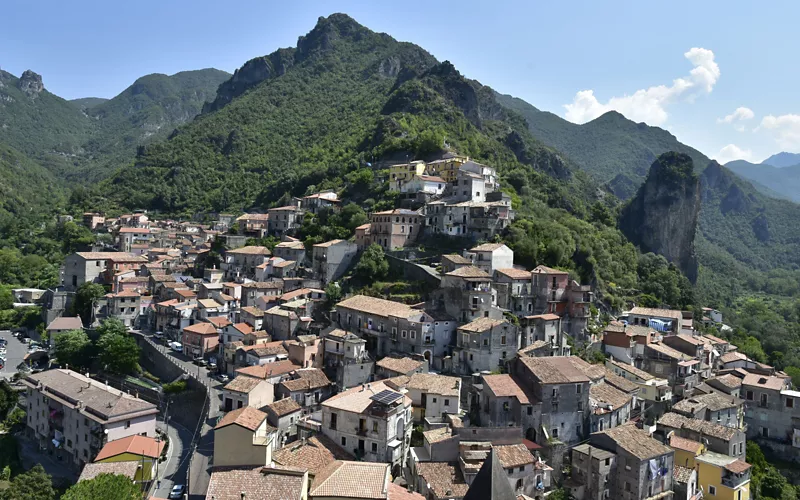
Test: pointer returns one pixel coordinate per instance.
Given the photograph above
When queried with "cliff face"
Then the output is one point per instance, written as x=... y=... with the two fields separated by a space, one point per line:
x=662 y=217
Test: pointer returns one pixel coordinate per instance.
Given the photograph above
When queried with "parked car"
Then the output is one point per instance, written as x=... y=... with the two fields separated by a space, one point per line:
x=177 y=491
x=223 y=378
x=159 y=335
x=199 y=361
x=176 y=346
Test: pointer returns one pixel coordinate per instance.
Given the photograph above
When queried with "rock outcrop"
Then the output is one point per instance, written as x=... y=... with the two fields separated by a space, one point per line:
x=30 y=83
x=662 y=217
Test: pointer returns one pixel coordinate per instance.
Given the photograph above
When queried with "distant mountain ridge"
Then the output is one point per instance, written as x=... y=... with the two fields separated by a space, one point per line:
x=779 y=182
x=782 y=160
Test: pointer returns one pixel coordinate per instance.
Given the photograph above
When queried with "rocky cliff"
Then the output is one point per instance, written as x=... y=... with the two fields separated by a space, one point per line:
x=662 y=217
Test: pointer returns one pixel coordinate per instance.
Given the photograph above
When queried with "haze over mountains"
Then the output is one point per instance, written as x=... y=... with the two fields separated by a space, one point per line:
x=316 y=114
x=777 y=176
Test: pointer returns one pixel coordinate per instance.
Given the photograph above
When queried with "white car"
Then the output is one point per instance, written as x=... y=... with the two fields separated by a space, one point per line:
x=158 y=335
x=176 y=346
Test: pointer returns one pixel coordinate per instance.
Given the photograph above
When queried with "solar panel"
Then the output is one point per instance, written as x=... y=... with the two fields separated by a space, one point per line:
x=386 y=397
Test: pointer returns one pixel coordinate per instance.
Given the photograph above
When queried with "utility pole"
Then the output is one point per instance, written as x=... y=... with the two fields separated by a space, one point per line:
x=189 y=470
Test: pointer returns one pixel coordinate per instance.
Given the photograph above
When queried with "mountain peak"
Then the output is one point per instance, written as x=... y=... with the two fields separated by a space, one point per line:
x=30 y=83
x=782 y=159
x=327 y=32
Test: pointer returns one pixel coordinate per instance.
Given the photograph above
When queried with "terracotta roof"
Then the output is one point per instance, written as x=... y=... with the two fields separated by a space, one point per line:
x=728 y=380
x=445 y=479
x=684 y=444
x=481 y=325
x=268 y=370
x=269 y=285
x=545 y=317
x=307 y=379
x=504 y=386
x=738 y=466
x=363 y=480
x=285 y=263
x=632 y=370
x=714 y=401
x=437 y=434
x=682 y=474
x=242 y=384
x=765 y=381
x=92 y=470
x=66 y=323
x=668 y=351
x=209 y=303
x=554 y=370
x=313 y=454
x=397 y=492
x=469 y=272
x=253 y=311
x=605 y=394
x=105 y=255
x=514 y=273
x=487 y=247
x=268 y=349
x=201 y=329
x=547 y=270
x=231 y=483
x=732 y=357
x=620 y=383
x=247 y=417
x=376 y=306
x=219 y=321
x=251 y=250
x=513 y=455
x=357 y=399
x=403 y=366
x=243 y=327
x=136 y=445
x=594 y=372
x=296 y=245
x=689 y=339
x=677 y=421
x=328 y=244
x=637 y=442
x=435 y=384
x=715 y=340
x=660 y=313
x=283 y=407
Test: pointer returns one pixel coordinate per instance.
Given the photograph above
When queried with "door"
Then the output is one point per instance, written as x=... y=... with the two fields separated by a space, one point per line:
x=228 y=404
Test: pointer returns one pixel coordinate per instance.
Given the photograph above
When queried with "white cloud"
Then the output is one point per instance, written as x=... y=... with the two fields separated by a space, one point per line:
x=732 y=152
x=784 y=128
x=740 y=114
x=648 y=105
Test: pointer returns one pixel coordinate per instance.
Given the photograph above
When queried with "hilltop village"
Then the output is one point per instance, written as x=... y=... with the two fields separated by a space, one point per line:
x=502 y=383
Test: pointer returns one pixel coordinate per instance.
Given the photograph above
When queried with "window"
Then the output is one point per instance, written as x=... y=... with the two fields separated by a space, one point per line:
x=522 y=469
x=608 y=461
x=749 y=395
x=374 y=426
x=413 y=334
x=404 y=333
x=333 y=421
x=740 y=448
x=434 y=400
x=554 y=432
x=447 y=402
x=127 y=424
x=485 y=342
x=503 y=340
x=344 y=441
x=374 y=447
x=578 y=388
x=580 y=405
x=790 y=402
x=627 y=486
x=530 y=410
x=712 y=490
x=764 y=432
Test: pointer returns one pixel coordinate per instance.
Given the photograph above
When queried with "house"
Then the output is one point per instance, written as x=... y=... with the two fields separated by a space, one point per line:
x=562 y=387
x=128 y=469
x=73 y=416
x=713 y=407
x=254 y=224
x=484 y=344
x=686 y=450
x=312 y=454
x=124 y=306
x=305 y=350
x=308 y=387
x=290 y=250
x=346 y=359
x=678 y=368
x=242 y=262
x=252 y=316
x=281 y=322
x=273 y=373
x=727 y=383
x=285 y=219
x=61 y=325
x=284 y=414
x=243 y=437
x=723 y=476
x=404 y=172
x=318 y=201
x=238 y=483
x=541 y=333
x=128 y=236
x=142 y=450
x=501 y=402
x=491 y=256
x=441 y=480
x=717 y=438
x=374 y=421
x=663 y=320
x=330 y=260
x=469 y=187
x=391 y=367
x=643 y=465
x=651 y=388
x=592 y=469
x=362 y=237
x=626 y=343
x=342 y=480
x=434 y=396
x=247 y=391
x=611 y=407
x=200 y=340
x=395 y=228
x=252 y=290
x=429 y=184
x=83 y=267
x=451 y=262
x=771 y=410
x=261 y=353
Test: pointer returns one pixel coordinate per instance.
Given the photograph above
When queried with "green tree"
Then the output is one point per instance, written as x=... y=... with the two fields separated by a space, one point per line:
x=6 y=474
x=75 y=237
x=73 y=348
x=32 y=485
x=333 y=294
x=85 y=297
x=793 y=372
x=118 y=352
x=105 y=486
x=6 y=299
x=174 y=387
x=373 y=265
x=111 y=326
x=8 y=398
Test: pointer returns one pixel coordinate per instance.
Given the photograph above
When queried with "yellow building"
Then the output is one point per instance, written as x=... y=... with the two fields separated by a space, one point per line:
x=243 y=438
x=723 y=477
x=447 y=168
x=686 y=451
x=141 y=449
x=404 y=172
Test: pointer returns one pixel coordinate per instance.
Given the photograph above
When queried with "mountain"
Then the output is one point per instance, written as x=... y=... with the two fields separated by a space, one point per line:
x=611 y=148
x=783 y=159
x=770 y=180
x=26 y=187
x=84 y=139
x=315 y=113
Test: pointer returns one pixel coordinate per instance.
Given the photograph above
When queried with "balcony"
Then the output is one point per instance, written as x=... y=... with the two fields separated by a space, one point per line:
x=361 y=431
x=734 y=481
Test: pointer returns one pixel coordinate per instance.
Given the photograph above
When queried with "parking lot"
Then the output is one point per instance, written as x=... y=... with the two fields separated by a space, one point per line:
x=14 y=354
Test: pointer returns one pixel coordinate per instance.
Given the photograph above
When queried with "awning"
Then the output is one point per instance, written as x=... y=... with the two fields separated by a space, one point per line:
x=688 y=363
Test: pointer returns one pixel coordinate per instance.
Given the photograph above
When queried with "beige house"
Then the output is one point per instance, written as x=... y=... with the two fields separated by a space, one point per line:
x=243 y=437
x=247 y=391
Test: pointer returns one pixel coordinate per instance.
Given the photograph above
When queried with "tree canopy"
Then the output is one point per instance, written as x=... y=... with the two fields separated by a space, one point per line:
x=85 y=297
x=105 y=486
x=73 y=348
x=34 y=484
x=372 y=265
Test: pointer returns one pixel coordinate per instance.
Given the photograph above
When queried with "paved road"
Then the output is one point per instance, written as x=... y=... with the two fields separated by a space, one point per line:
x=14 y=355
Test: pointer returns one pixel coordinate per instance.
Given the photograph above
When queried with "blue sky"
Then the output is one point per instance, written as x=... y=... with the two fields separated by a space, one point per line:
x=721 y=76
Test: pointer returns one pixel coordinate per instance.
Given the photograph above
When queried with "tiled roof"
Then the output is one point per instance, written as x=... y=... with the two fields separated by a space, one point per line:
x=620 y=383
x=738 y=466
x=283 y=407
x=732 y=357
x=594 y=372
x=268 y=370
x=235 y=483
x=659 y=313
x=251 y=250
x=376 y=306
x=684 y=444
x=545 y=317
x=456 y=259
x=137 y=445
x=269 y=285
x=268 y=349
x=328 y=244
x=247 y=417
x=92 y=470
x=313 y=454
x=201 y=329
x=514 y=273
x=243 y=327
x=397 y=492
x=242 y=384
x=105 y=255
x=403 y=366
x=66 y=323
x=728 y=380
x=357 y=399
x=682 y=474
x=219 y=321
x=513 y=455
x=605 y=394
x=469 y=272
x=677 y=421
x=632 y=370
x=435 y=384
x=636 y=442
x=714 y=401
x=554 y=370
x=209 y=303
x=503 y=385
x=253 y=311
x=668 y=351
x=695 y=341
x=767 y=382
x=487 y=247
x=438 y=434
x=481 y=325
x=307 y=379
x=445 y=479
x=363 y=480
x=547 y=270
